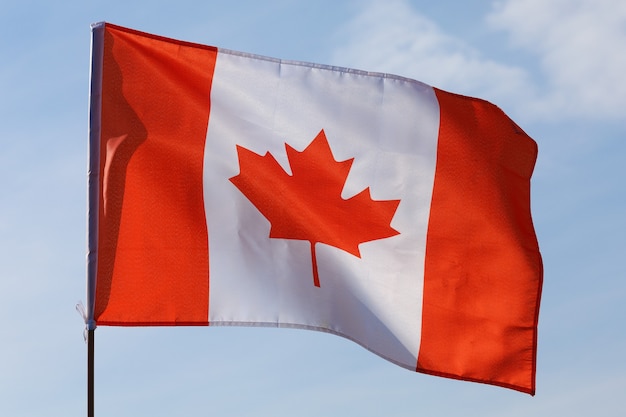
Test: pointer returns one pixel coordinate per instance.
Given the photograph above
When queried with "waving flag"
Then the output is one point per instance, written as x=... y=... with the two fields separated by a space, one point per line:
x=233 y=189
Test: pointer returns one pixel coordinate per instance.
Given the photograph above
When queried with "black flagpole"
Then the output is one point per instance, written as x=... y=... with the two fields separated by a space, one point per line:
x=90 y=378
x=95 y=113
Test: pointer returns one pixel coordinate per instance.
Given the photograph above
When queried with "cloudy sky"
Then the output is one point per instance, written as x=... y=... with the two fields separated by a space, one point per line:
x=555 y=66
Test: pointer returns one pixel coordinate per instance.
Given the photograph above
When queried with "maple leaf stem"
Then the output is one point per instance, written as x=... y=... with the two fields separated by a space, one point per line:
x=316 y=277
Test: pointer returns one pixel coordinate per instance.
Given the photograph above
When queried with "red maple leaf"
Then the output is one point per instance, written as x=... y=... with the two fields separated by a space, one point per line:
x=307 y=205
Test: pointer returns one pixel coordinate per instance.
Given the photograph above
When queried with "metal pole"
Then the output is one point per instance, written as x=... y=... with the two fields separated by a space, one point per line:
x=90 y=379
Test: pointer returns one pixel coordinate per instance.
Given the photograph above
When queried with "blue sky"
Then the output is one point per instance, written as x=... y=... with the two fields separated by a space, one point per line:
x=556 y=67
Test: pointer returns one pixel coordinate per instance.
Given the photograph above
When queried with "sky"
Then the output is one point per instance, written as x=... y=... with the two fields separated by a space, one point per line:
x=556 y=67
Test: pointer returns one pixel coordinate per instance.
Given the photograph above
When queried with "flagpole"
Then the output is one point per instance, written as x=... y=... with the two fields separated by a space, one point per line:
x=90 y=376
x=95 y=120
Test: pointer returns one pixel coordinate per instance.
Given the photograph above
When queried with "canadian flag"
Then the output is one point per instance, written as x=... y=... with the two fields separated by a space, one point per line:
x=233 y=189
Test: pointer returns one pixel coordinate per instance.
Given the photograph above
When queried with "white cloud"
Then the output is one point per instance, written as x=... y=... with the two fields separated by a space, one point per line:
x=392 y=37
x=578 y=43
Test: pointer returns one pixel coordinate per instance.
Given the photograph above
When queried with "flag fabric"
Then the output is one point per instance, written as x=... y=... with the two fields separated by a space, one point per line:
x=232 y=189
